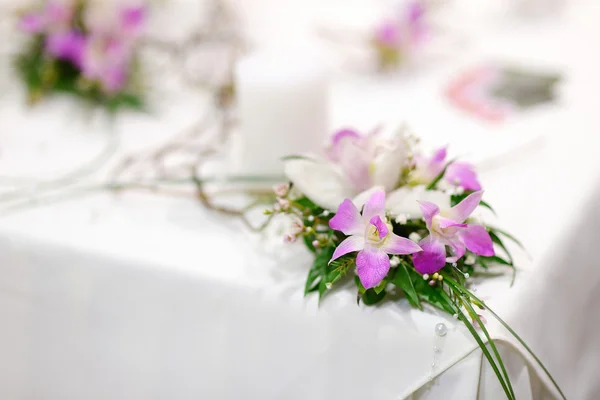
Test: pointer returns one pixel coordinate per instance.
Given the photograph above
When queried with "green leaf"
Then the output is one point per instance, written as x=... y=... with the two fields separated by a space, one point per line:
x=371 y=297
x=476 y=317
x=498 y=260
x=500 y=243
x=308 y=239
x=403 y=280
x=480 y=342
x=305 y=202
x=515 y=335
x=431 y=294
x=487 y=205
x=509 y=236
x=317 y=275
x=381 y=287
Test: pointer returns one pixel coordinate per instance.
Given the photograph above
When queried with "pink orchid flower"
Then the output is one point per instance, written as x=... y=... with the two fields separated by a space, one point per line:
x=371 y=235
x=56 y=15
x=406 y=30
x=368 y=160
x=447 y=228
x=460 y=174
x=108 y=53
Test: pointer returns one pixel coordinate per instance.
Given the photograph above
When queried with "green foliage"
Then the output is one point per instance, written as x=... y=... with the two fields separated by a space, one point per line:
x=44 y=76
x=403 y=279
x=323 y=273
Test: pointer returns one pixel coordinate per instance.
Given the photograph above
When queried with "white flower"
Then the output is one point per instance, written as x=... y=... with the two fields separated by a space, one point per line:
x=355 y=163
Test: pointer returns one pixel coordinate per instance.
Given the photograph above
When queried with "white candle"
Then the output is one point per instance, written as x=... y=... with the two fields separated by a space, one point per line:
x=283 y=106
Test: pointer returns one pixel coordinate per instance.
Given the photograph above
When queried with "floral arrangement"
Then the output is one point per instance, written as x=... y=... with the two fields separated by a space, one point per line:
x=83 y=47
x=395 y=39
x=379 y=209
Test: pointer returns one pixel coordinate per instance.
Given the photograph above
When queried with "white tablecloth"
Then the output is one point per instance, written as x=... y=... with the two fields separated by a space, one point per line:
x=142 y=297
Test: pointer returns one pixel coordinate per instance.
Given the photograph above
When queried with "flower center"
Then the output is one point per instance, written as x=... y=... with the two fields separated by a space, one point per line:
x=377 y=230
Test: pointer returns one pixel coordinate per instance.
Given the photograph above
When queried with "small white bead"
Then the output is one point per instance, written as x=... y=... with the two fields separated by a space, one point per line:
x=394 y=261
x=325 y=213
x=311 y=218
x=328 y=285
x=441 y=329
x=426 y=276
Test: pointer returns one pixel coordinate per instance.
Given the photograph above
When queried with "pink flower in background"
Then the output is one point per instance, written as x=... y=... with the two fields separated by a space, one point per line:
x=109 y=52
x=447 y=228
x=427 y=169
x=388 y=34
x=371 y=235
x=132 y=20
x=106 y=61
x=56 y=15
x=460 y=174
x=406 y=30
x=67 y=45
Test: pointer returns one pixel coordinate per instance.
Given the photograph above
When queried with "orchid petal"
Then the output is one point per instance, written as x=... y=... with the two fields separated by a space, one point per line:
x=404 y=201
x=478 y=240
x=337 y=143
x=347 y=219
x=372 y=266
x=429 y=211
x=133 y=18
x=462 y=210
x=32 y=23
x=361 y=199
x=463 y=174
x=352 y=243
x=318 y=181
x=395 y=244
x=439 y=156
x=457 y=248
x=433 y=256
x=374 y=206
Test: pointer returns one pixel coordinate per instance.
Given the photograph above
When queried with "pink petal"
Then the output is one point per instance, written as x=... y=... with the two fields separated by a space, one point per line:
x=347 y=219
x=462 y=210
x=429 y=211
x=133 y=19
x=395 y=244
x=432 y=258
x=448 y=223
x=382 y=228
x=463 y=174
x=32 y=23
x=478 y=240
x=372 y=266
x=375 y=205
x=338 y=142
x=439 y=156
x=352 y=243
x=457 y=248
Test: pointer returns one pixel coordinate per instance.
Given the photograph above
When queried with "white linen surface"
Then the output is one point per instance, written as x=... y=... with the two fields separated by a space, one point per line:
x=139 y=297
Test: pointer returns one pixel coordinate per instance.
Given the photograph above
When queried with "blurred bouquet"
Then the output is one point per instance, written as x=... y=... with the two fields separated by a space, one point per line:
x=83 y=47
x=396 y=39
